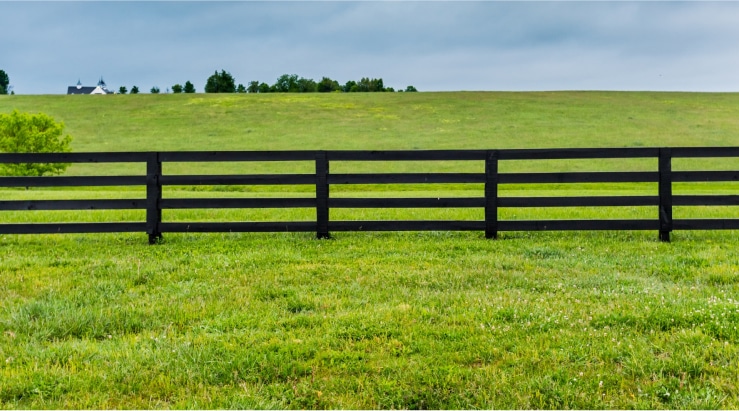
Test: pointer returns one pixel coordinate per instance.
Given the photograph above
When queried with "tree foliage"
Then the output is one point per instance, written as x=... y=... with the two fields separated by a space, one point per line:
x=154 y=90
x=286 y=83
x=134 y=90
x=4 y=82
x=177 y=88
x=222 y=82
x=122 y=90
x=189 y=88
x=326 y=85
x=32 y=133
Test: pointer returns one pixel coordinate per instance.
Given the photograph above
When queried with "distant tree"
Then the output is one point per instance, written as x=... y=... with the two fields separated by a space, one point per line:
x=222 y=82
x=122 y=90
x=154 y=90
x=240 y=88
x=4 y=82
x=349 y=86
x=134 y=90
x=326 y=85
x=32 y=133
x=410 y=89
x=253 y=87
x=264 y=88
x=177 y=88
x=306 y=85
x=189 y=88
x=286 y=83
x=390 y=89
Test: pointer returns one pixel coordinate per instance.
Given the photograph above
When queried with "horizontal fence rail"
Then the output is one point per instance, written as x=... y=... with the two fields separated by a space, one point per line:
x=489 y=200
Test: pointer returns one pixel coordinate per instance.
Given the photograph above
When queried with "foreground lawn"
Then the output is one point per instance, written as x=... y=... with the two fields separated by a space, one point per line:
x=375 y=320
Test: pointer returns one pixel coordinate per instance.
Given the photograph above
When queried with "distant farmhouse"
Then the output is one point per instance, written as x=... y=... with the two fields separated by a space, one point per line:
x=80 y=89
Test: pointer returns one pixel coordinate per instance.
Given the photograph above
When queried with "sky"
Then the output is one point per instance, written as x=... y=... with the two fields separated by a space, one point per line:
x=432 y=45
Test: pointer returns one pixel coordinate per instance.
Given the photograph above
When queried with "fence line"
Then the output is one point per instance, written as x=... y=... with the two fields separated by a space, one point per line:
x=322 y=179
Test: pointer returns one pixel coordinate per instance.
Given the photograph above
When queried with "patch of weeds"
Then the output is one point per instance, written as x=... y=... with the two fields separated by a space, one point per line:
x=543 y=253
x=297 y=305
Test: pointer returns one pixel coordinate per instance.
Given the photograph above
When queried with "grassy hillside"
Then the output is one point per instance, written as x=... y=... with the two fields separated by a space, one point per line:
x=390 y=120
x=586 y=320
x=377 y=121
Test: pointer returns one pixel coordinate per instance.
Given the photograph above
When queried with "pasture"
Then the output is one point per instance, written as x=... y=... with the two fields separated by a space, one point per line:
x=374 y=320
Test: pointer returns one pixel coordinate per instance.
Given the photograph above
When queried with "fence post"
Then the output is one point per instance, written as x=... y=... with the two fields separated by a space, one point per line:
x=322 y=195
x=665 y=194
x=153 y=197
x=491 y=194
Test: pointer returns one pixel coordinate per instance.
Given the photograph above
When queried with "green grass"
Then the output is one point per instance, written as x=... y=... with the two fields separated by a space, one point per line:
x=375 y=320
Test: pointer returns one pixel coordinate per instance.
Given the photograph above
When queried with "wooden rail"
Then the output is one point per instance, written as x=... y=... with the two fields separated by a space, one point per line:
x=155 y=182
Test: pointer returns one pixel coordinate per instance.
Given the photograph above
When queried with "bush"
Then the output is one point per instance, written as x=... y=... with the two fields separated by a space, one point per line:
x=32 y=133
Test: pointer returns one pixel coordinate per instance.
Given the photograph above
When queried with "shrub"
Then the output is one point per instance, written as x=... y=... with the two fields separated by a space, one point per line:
x=32 y=133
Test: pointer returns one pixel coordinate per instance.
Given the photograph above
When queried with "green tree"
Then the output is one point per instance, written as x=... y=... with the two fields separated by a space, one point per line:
x=4 y=82
x=154 y=90
x=264 y=88
x=177 y=88
x=134 y=90
x=253 y=87
x=286 y=83
x=222 y=82
x=326 y=85
x=410 y=89
x=189 y=88
x=350 y=86
x=306 y=85
x=122 y=90
x=32 y=133
x=240 y=88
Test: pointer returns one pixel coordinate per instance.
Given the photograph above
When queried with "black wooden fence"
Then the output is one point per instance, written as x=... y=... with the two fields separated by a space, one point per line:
x=155 y=181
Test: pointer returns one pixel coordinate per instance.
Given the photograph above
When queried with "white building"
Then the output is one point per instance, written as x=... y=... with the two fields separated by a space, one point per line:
x=80 y=89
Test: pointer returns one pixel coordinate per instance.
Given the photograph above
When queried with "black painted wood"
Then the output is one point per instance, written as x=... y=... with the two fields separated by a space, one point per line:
x=709 y=200
x=492 y=179
x=322 y=195
x=604 y=201
x=114 y=157
x=595 y=177
x=153 y=197
x=69 y=228
x=696 y=176
x=98 y=181
x=155 y=184
x=696 y=152
x=73 y=205
x=706 y=224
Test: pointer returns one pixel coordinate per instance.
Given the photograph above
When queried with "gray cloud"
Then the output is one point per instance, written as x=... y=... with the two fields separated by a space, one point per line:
x=432 y=45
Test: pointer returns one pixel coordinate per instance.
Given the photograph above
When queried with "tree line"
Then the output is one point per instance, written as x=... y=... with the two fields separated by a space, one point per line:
x=224 y=82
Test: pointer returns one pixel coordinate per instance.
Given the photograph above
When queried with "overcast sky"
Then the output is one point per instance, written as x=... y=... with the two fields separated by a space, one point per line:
x=435 y=46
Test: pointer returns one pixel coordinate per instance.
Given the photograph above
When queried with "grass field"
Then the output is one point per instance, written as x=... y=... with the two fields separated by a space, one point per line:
x=375 y=320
